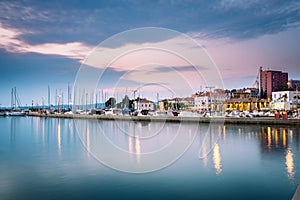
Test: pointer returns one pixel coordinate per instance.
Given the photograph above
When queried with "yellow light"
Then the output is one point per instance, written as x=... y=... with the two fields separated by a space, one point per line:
x=217 y=159
x=289 y=162
x=269 y=137
x=284 y=137
x=276 y=136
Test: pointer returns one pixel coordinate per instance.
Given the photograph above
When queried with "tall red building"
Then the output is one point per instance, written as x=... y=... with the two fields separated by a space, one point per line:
x=272 y=81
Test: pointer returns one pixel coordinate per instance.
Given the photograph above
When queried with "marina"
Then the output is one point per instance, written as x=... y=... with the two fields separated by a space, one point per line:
x=146 y=100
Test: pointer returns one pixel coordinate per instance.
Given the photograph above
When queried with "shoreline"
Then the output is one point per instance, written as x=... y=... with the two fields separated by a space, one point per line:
x=172 y=119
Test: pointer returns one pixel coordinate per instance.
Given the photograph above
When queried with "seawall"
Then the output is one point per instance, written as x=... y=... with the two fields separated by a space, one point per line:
x=172 y=119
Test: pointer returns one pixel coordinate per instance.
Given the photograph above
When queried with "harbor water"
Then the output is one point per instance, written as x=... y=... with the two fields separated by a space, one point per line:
x=54 y=158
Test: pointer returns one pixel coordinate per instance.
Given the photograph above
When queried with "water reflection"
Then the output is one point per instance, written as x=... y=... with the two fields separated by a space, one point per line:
x=289 y=162
x=269 y=138
x=43 y=130
x=87 y=127
x=210 y=144
x=224 y=133
x=276 y=132
x=279 y=141
x=13 y=124
x=204 y=154
x=58 y=138
x=271 y=161
x=153 y=145
x=217 y=159
x=273 y=139
x=37 y=123
x=130 y=147
x=138 y=148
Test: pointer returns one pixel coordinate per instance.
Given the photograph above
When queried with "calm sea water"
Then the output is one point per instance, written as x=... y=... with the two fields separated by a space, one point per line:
x=44 y=158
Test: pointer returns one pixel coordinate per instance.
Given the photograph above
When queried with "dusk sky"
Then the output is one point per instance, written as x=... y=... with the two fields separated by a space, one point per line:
x=44 y=42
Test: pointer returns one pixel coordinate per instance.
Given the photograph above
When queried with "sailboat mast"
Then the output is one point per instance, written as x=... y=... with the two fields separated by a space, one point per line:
x=68 y=96
x=96 y=105
x=56 y=98
x=49 y=97
x=12 y=98
x=15 y=99
x=62 y=100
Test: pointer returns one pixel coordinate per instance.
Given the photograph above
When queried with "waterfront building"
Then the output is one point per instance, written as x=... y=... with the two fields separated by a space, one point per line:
x=247 y=100
x=160 y=105
x=271 y=81
x=145 y=104
x=240 y=94
x=210 y=101
x=284 y=100
x=254 y=92
x=248 y=104
x=176 y=103
x=202 y=101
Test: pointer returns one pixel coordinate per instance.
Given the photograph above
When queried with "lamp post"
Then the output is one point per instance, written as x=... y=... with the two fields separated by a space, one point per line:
x=297 y=97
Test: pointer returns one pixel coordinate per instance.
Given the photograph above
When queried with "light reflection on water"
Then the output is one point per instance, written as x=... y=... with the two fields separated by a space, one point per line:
x=217 y=159
x=46 y=158
x=289 y=164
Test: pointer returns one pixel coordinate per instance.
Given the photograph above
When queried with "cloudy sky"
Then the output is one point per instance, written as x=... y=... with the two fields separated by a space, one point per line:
x=45 y=42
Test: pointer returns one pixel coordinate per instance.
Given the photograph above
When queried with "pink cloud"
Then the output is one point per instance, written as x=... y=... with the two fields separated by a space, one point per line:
x=9 y=40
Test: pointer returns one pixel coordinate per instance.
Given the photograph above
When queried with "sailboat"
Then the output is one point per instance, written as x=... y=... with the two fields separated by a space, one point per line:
x=15 y=110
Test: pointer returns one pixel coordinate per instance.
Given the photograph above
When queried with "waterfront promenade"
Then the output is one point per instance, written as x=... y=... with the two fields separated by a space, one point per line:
x=225 y=120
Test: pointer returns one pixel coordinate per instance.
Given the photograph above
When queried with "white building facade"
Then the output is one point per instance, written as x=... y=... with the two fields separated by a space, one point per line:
x=285 y=100
x=207 y=101
x=145 y=104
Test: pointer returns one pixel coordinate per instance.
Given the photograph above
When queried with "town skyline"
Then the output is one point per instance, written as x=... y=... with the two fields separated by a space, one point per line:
x=99 y=100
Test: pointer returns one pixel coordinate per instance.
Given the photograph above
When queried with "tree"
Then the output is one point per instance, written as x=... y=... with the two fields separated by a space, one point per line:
x=110 y=103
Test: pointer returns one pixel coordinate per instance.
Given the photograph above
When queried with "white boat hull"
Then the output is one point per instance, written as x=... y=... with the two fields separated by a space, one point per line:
x=16 y=113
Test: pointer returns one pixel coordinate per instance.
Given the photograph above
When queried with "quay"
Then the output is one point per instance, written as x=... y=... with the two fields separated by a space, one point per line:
x=297 y=194
x=176 y=119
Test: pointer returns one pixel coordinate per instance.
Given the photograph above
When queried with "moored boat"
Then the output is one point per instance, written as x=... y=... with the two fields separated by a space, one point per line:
x=15 y=105
x=17 y=113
